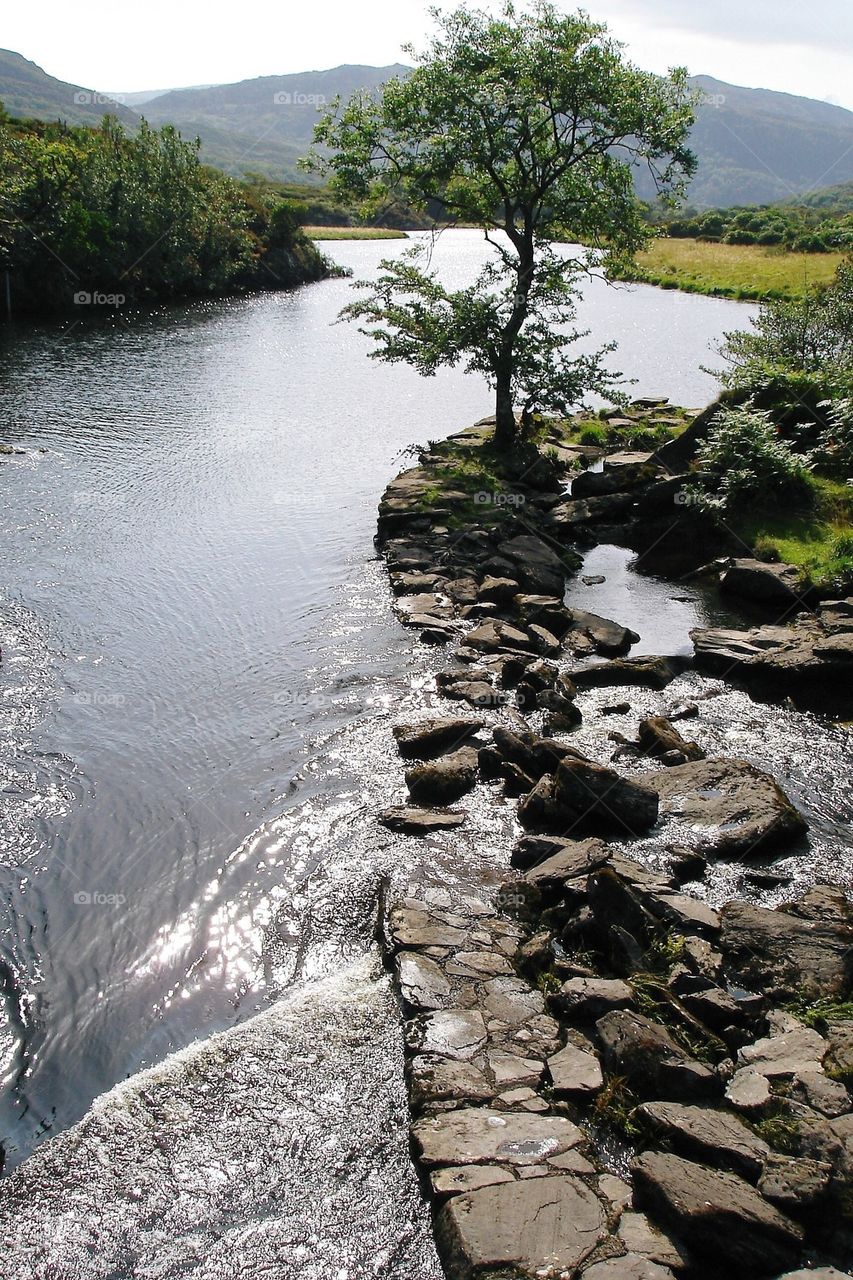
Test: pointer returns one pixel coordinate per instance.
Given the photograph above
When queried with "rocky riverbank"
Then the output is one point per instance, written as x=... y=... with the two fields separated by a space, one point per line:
x=607 y=1077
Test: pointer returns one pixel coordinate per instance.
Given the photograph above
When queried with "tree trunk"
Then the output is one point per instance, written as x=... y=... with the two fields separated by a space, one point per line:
x=505 y=428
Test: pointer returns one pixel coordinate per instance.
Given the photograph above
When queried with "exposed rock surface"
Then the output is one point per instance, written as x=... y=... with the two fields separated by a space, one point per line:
x=428 y=738
x=806 y=949
x=586 y=798
x=645 y=1054
x=731 y=806
x=445 y=780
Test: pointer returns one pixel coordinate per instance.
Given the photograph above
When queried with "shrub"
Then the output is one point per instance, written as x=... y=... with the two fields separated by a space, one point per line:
x=836 y=439
x=744 y=460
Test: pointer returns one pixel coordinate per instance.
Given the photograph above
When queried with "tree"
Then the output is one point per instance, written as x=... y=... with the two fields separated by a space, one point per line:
x=530 y=125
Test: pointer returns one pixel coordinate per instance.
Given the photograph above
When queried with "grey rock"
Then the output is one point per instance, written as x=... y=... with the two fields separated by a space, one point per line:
x=658 y=736
x=795 y=1185
x=423 y=985
x=415 y=925
x=512 y=1000
x=443 y=781
x=588 y=998
x=709 y=1135
x=428 y=738
x=534 y=1228
x=654 y=1064
x=718 y=1214
x=789 y=1054
x=415 y=821
x=588 y=799
x=609 y=638
x=575 y=1073
x=538 y=567
x=770 y=583
x=480 y=1135
x=435 y=1080
x=731 y=806
x=454 y=1182
x=451 y=1033
x=787 y=954
x=640 y=1236
x=749 y=1091
x=652 y=672
x=631 y=1266
x=816 y=1090
x=494 y=636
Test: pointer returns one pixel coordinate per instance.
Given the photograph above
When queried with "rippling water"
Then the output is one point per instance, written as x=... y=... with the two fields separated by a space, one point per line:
x=199 y=673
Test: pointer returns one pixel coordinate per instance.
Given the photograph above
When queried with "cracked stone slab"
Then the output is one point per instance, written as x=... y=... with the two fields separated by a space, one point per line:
x=478 y=1135
x=472 y=1177
x=423 y=985
x=539 y=1228
x=708 y=1134
x=575 y=1072
x=450 y=1033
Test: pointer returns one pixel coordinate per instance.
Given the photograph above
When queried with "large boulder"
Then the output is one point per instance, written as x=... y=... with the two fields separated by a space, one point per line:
x=725 y=1220
x=443 y=781
x=588 y=799
x=535 y=1228
x=733 y=808
x=608 y=638
x=653 y=1063
x=652 y=672
x=804 y=949
x=766 y=583
x=538 y=567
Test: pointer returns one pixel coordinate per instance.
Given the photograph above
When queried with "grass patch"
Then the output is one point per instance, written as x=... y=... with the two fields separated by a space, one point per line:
x=353 y=233
x=615 y=1106
x=820 y=1014
x=747 y=272
x=780 y=1130
x=818 y=541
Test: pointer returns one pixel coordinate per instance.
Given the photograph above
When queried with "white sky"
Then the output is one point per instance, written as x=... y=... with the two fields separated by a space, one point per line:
x=797 y=47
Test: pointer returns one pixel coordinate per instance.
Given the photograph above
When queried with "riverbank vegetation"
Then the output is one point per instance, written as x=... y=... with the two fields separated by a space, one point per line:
x=100 y=218
x=747 y=272
x=776 y=463
x=352 y=233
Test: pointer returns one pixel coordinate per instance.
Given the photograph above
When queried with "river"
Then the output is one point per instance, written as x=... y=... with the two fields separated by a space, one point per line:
x=199 y=673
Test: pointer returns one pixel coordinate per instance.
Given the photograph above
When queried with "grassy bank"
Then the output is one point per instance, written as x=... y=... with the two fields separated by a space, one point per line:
x=352 y=233
x=745 y=272
x=819 y=541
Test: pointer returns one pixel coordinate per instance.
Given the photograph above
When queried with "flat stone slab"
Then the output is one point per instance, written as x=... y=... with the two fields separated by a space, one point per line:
x=710 y=1135
x=437 y=1080
x=416 y=926
x=480 y=1135
x=428 y=738
x=575 y=1073
x=631 y=1266
x=654 y=1064
x=718 y=1214
x=538 y=1228
x=423 y=985
x=788 y=1054
x=731 y=808
x=455 y=1182
x=420 y=822
x=451 y=1033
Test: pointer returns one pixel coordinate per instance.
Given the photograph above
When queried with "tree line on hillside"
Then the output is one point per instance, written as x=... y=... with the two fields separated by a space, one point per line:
x=100 y=216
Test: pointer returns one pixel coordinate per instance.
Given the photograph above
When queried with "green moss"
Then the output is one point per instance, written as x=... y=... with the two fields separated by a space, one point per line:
x=615 y=1107
x=779 y=1129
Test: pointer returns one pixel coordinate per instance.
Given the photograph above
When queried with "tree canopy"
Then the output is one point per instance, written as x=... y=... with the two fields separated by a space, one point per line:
x=530 y=126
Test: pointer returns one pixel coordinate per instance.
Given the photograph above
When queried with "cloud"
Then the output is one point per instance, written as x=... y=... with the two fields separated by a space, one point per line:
x=823 y=24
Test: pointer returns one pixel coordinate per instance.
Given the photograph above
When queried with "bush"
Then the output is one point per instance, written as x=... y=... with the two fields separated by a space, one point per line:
x=836 y=439
x=744 y=460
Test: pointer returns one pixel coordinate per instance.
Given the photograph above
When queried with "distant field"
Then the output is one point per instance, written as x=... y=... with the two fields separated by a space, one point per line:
x=733 y=270
x=353 y=233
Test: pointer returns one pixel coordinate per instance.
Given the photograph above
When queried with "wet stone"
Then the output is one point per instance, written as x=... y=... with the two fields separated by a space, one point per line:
x=452 y=1033
x=436 y=1080
x=512 y=1000
x=454 y=1182
x=423 y=985
x=481 y=1135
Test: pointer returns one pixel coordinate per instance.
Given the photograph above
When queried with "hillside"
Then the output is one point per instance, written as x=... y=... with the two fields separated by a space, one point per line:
x=263 y=125
x=755 y=146
x=27 y=91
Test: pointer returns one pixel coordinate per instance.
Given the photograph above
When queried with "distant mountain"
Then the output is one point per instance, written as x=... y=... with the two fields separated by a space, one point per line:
x=754 y=146
x=26 y=90
x=262 y=125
